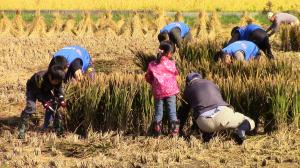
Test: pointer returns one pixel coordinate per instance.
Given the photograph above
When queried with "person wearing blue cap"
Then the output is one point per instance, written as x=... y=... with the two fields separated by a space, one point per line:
x=240 y=50
x=211 y=112
x=177 y=32
x=254 y=33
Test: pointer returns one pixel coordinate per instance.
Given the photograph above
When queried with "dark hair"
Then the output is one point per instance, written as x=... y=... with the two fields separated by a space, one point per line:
x=165 y=47
x=57 y=72
x=234 y=30
x=219 y=55
x=162 y=36
x=59 y=60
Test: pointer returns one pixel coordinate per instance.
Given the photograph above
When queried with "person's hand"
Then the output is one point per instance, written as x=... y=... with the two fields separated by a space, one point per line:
x=47 y=104
x=62 y=101
x=78 y=74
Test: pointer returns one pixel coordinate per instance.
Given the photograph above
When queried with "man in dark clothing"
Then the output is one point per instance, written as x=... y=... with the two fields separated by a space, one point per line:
x=211 y=112
x=253 y=33
x=43 y=86
x=177 y=32
x=76 y=60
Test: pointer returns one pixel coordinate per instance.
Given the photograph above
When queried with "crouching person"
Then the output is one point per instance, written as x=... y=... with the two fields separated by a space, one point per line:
x=161 y=74
x=211 y=112
x=44 y=86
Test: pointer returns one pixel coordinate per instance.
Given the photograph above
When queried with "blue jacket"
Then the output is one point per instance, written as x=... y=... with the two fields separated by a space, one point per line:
x=249 y=48
x=73 y=52
x=183 y=28
x=246 y=30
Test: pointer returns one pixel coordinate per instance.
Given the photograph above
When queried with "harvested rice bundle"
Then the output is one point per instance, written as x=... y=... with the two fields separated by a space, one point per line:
x=38 y=27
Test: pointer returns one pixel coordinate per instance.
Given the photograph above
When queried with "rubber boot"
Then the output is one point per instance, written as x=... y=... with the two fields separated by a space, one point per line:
x=157 y=126
x=174 y=128
x=23 y=124
x=207 y=136
x=47 y=119
x=57 y=124
x=241 y=132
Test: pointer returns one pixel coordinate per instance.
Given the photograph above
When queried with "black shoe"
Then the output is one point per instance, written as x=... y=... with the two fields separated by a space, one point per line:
x=239 y=137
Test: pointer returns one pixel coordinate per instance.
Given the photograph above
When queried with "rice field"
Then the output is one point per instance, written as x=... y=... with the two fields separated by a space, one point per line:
x=178 y=5
x=114 y=112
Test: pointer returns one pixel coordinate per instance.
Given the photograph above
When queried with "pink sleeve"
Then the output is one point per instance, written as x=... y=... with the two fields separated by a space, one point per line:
x=148 y=76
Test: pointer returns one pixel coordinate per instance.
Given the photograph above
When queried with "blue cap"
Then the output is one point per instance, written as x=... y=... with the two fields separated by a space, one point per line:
x=192 y=76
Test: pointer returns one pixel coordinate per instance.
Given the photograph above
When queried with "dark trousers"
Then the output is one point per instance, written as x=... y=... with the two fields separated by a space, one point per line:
x=261 y=39
x=175 y=37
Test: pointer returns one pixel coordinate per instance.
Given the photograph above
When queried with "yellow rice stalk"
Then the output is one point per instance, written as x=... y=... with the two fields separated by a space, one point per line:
x=246 y=19
x=5 y=25
x=120 y=23
x=200 y=27
x=160 y=20
x=38 y=26
x=86 y=26
x=136 y=26
x=179 y=17
x=214 y=25
x=106 y=21
x=57 y=24
x=106 y=25
x=69 y=26
x=18 y=25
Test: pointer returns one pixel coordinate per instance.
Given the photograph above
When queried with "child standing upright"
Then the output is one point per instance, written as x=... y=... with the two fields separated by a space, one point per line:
x=161 y=74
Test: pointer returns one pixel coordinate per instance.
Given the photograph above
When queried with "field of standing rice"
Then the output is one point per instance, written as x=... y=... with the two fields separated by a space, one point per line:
x=116 y=109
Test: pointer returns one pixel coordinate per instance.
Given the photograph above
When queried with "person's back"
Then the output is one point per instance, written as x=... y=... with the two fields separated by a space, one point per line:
x=248 y=48
x=163 y=79
x=285 y=18
x=203 y=95
x=247 y=30
x=72 y=53
x=184 y=29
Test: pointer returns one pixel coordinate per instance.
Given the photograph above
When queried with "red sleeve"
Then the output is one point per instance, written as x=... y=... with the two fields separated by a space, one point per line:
x=149 y=76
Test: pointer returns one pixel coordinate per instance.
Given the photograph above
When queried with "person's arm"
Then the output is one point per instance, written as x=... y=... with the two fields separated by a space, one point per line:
x=75 y=68
x=235 y=37
x=183 y=112
x=149 y=76
x=91 y=72
x=175 y=36
x=273 y=28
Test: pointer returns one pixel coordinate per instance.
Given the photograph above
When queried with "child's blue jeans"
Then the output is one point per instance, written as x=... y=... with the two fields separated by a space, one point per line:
x=171 y=106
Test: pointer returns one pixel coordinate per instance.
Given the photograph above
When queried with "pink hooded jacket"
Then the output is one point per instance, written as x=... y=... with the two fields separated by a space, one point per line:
x=162 y=77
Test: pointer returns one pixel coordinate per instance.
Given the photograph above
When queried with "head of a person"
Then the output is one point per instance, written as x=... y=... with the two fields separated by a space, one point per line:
x=192 y=76
x=234 y=30
x=60 y=61
x=223 y=56
x=56 y=74
x=270 y=16
x=166 y=48
x=163 y=36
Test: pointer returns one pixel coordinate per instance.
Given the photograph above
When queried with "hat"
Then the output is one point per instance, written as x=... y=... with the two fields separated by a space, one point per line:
x=270 y=14
x=192 y=76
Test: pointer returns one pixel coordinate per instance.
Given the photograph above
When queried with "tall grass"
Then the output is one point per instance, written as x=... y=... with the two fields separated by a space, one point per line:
x=289 y=38
x=266 y=91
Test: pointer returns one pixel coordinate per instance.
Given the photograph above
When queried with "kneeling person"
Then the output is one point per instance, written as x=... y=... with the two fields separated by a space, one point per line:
x=240 y=50
x=211 y=112
x=76 y=60
x=44 y=86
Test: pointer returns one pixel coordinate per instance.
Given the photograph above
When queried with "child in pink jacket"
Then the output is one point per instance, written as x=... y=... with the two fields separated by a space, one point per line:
x=161 y=74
